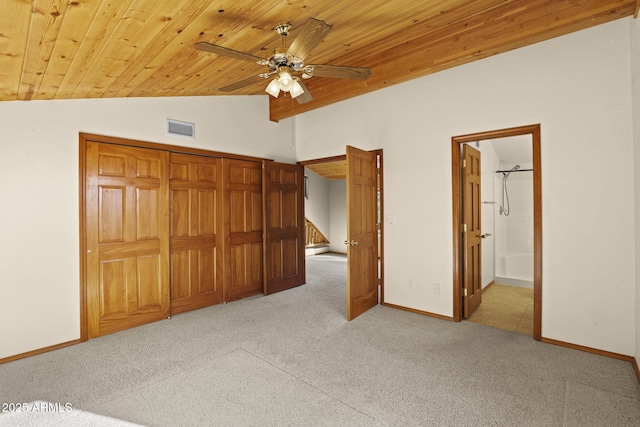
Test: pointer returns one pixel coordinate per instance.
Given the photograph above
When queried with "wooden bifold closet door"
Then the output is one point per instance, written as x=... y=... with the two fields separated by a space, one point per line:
x=243 y=217
x=195 y=232
x=284 y=226
x=127 y=241
x=170 y=232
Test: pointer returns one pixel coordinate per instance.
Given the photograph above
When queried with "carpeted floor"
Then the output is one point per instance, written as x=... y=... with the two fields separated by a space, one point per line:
x=292 y=359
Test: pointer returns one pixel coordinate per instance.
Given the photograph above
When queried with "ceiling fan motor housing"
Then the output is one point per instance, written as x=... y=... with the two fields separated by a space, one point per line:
x=283 y=29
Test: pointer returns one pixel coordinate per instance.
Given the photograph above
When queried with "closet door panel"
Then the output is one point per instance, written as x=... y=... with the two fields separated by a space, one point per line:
x=126 y=222
x=195 y=198
x=284 y=219
x=180 y=274
x=243 y=213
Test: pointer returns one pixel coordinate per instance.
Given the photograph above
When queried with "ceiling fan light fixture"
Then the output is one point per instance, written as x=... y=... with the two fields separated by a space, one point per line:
x=285 y=61
x=307 y=72
x=285 y=79
x=296 y=89
x=273 y=88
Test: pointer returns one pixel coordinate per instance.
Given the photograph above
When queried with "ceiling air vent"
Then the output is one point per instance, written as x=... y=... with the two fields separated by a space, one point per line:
x=175 y=127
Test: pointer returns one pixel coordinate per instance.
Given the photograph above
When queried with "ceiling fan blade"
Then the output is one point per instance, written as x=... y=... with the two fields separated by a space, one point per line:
x=225 y=51
x=340 y=72
x=306 y=95
x=312 y=33
x=242 y=83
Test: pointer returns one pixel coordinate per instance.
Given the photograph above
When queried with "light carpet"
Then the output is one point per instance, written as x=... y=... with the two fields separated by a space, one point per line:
x=293 y=359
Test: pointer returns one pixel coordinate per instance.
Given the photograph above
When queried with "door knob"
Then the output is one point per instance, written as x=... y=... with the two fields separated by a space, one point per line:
x=350 y=243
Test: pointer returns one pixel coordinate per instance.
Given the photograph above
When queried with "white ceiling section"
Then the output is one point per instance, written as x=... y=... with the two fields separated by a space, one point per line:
x=516 y=149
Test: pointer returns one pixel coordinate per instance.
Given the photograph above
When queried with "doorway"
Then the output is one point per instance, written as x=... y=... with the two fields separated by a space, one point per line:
x=460 y=242
x=354 y=182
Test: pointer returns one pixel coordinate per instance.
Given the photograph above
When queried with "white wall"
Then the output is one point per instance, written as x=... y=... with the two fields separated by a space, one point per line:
x=338 y=206
x=489 y=163
x=316 y=207
x=327 y=209
x=635 y=61
x=498 y=219
x=579 y=88
x=515 y=231
x=39 y=220
x=520 y=219
x=519 y=223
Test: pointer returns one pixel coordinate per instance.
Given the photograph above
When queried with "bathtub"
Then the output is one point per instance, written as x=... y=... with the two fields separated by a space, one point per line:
x=515 y=269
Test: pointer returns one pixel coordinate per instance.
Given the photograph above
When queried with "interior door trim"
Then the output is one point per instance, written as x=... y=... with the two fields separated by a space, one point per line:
x=534 y=131
x=165 y=147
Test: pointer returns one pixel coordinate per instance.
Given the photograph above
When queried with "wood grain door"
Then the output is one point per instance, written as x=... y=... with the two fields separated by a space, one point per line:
x=127 y=240
x=195 y=224
x=472 y=292
x=243 y=228
x=284 y=226
x=362 y=234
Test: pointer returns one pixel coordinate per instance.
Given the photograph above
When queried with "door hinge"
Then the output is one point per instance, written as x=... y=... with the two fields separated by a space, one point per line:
x=464 y=228
x=464 y=163
x=464 y=291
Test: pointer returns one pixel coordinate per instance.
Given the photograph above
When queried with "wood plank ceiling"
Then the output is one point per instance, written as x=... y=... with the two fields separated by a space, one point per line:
x=336 y=169
x=65 y=49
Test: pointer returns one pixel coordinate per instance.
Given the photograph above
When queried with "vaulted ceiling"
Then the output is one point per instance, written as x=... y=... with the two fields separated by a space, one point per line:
x=66 y=49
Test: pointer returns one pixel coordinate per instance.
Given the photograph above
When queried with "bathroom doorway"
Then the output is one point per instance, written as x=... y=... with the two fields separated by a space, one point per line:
x=468 y=273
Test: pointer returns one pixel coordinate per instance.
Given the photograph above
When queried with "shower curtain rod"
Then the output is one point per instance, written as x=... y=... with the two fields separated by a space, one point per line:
x=517 y=170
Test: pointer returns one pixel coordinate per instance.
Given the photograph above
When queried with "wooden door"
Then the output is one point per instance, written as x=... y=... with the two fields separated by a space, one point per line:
x=243 y=228
x=195 y=243
x=362 y=234
x=127 y=239
x=284 y=226
x=472 y=286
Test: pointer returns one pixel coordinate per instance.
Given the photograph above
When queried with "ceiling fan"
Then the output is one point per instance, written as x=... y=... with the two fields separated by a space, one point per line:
x=285 y=62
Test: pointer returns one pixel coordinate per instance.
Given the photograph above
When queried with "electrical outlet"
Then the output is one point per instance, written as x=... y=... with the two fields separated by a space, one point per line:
x=436 y=288
x=412 y=284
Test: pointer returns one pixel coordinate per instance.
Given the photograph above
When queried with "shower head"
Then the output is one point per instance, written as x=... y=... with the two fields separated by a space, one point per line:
x=505 y=209
x=515 y=168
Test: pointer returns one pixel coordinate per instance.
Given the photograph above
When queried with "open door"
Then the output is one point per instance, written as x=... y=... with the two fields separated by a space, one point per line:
x=362 y=234
x=284 y=226
x=472 y=292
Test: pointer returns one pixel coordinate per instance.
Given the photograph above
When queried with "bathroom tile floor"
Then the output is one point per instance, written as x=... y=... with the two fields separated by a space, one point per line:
x=506 y=307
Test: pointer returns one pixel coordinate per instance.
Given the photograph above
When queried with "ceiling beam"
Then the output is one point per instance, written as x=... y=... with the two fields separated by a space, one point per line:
x=517 y=24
